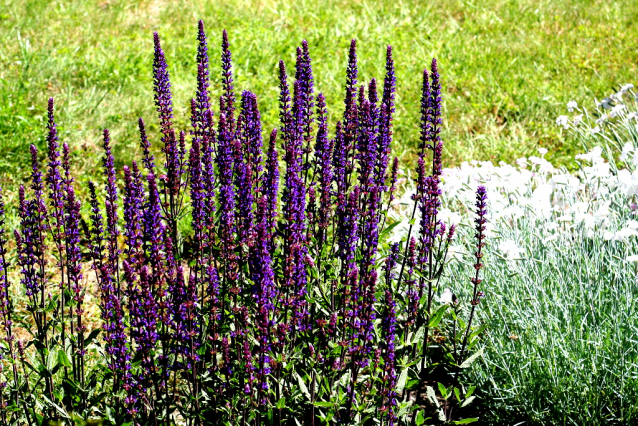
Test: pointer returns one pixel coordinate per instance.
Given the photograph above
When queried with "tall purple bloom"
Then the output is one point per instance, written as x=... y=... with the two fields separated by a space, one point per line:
x=323 y=161
x=294 y=206
x=54 y=179
x=149 y=159
x=350 y=113
x=111 y=204
x=304 y=115
x=200 y=118
x=110 y=303
x=197 y=190
x=227 y=100
x=270 y=182
x=339 y=159
x=425 y=114
x=435 y=121
x=384 y=144
x=173 y=151
x=263 y=276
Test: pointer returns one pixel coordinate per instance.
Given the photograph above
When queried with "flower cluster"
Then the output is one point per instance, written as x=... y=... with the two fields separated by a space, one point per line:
x=233 y=284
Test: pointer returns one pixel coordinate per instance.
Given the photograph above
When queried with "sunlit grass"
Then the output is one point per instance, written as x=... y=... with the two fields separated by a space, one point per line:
x=509 y=66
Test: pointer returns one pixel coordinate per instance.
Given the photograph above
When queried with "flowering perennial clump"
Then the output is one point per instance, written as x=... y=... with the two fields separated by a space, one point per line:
x=283 y=302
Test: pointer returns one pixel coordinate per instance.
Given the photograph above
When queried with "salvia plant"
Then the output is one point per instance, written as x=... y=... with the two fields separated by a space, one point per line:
x=283 y=303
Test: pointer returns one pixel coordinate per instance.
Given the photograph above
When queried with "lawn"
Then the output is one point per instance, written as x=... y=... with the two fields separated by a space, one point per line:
x=508 y=67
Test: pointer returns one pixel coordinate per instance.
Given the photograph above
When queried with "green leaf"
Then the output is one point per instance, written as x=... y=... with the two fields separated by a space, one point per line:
x=109 y=414
x=468 y=401
x=51 y=360
x=403 y=408
x=432 y=396
x=302 y=386
x=472 y=358
x=59 y=409
x=402 y=379
x=92 y=336
x=470 y=391
x=63 y=359
x=324 y=404
x=281 y=403
x=465 y=421
x=420 y=418
x=436 y=318
x=79 y=421
x=389 y=229
x=443 y=390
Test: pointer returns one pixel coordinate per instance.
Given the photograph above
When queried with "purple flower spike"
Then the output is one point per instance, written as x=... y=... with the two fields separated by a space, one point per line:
x=339 y=159
x=480 y=221
x=53 y=176
x=270 y=182
x=198 y=208
x=351 y=81
x=435 y=120
x=389 y=82
x=323 y=161
x=481 y=212
x=303 y=75
x=74 y=266
x=203 y=82
x=227 y=101
x=425 y=114
x=285 y=113
x=350 y=112
x=384 y=144
x=149 y=159
x=251 y=133
x=111 y=203
x=163 y=98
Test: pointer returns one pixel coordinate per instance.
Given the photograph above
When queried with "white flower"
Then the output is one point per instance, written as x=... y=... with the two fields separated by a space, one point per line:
x=625 y=233
x=632 y=258
x=522 y=162
x=510 y=250
x=562 y=120
x=578 y=119
x=447 y=296
x=602 y=119
x=571 y=105
x=633 y=115
x=606 y=103
x=594 y=155
x=535 y=160
x=621 y=235
x=632 y=224
x=542 y=151
x=626 y=87
x=615 y=111
x=595 y=130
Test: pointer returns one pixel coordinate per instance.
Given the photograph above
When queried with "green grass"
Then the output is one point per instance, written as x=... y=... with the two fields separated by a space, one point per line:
x=508 y=67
